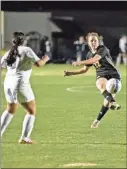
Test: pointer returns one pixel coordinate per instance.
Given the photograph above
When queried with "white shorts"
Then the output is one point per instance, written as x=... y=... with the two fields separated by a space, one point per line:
x=17 y=91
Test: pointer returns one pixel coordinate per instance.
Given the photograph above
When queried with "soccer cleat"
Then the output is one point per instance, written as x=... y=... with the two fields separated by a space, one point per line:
x=95 y=123
x=26 y=141
x=115 y=106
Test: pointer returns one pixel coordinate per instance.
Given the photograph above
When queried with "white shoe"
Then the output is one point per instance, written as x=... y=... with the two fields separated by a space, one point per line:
x=115 y=106
x=26 y=141
x=95 y=123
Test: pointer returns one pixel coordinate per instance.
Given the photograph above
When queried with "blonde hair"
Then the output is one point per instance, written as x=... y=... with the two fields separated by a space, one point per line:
x=92 y=34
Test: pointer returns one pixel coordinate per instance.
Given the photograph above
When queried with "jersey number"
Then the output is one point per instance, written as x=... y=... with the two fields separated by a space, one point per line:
x=97 y=65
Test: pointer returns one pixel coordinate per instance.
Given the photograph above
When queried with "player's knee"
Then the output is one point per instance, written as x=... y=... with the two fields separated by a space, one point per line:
x=30 y=107
x=11 y=111
x=12 y=108
x=101 y=87
x=32 y=110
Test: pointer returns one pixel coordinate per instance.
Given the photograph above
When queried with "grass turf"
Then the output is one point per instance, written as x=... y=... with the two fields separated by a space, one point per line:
x=62 y=129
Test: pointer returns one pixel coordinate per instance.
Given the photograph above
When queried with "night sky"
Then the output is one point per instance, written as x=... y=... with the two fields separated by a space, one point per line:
x=62 y=5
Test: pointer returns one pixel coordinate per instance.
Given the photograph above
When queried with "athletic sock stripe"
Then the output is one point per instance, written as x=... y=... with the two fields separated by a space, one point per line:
x=116 y=88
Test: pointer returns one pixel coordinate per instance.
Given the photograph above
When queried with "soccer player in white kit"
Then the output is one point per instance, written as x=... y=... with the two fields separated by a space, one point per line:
x=122 y=51
x=19 y=61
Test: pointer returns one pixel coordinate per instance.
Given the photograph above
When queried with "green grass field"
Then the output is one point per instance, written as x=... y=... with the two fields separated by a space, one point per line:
x=66 y=107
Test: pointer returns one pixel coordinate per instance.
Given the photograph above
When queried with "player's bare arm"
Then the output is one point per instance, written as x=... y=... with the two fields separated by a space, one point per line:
x=90 y=61
x=42 y=61
x=77 y=72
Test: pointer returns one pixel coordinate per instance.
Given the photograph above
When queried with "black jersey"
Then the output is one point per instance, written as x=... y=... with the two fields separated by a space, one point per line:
x=105 y=65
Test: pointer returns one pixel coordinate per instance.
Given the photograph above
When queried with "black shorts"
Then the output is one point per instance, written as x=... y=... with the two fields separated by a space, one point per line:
x=116 y=76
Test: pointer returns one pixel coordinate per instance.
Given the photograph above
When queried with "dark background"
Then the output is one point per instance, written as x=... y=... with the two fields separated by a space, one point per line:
x=62 y=5
x=107 y=18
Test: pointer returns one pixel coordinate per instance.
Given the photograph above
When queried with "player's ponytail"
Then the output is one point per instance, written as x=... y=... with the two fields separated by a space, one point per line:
x=12 y=55
x=18 y=38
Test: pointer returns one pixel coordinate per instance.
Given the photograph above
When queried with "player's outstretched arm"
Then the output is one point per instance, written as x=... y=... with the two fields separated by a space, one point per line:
x=90 y=61
x=80 y=71
x=42 y=61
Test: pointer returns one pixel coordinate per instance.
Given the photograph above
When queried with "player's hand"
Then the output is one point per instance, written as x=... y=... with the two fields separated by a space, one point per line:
x=46 y=58
x=76 y=64
x=67 y=73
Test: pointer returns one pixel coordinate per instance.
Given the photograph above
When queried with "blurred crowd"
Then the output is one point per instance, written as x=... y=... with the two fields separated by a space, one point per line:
x=63 y=50
x=122 y=56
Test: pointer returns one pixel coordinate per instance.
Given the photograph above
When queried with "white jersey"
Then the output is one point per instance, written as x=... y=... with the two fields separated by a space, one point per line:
x=22 y=67
x=16 y=84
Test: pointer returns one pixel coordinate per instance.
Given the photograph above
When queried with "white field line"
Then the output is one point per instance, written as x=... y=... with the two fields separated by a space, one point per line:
x=79 y=164
x=79 y=89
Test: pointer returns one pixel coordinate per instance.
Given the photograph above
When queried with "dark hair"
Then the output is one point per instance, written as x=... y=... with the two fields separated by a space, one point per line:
x=18 y=38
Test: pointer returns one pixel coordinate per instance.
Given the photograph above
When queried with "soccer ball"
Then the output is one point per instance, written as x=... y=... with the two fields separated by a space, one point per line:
x=113 y=86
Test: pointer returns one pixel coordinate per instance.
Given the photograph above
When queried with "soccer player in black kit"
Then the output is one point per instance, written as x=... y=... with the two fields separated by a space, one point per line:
x=99 y=57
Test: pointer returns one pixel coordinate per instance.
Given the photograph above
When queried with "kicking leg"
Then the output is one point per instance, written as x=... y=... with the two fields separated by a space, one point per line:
x=101 y=85
x=109 y=101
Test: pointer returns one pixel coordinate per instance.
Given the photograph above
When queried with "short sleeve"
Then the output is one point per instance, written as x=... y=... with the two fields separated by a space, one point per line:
x=3 y=60
x=31 y=54
x=102 y=51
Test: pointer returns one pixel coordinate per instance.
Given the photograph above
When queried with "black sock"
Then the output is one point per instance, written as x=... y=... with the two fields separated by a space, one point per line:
x=108 y=96
x=102 y=112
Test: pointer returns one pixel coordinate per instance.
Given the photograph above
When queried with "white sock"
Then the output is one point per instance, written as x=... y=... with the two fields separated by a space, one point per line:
x=118 y=60
x=28 y=125
x=5 y=120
